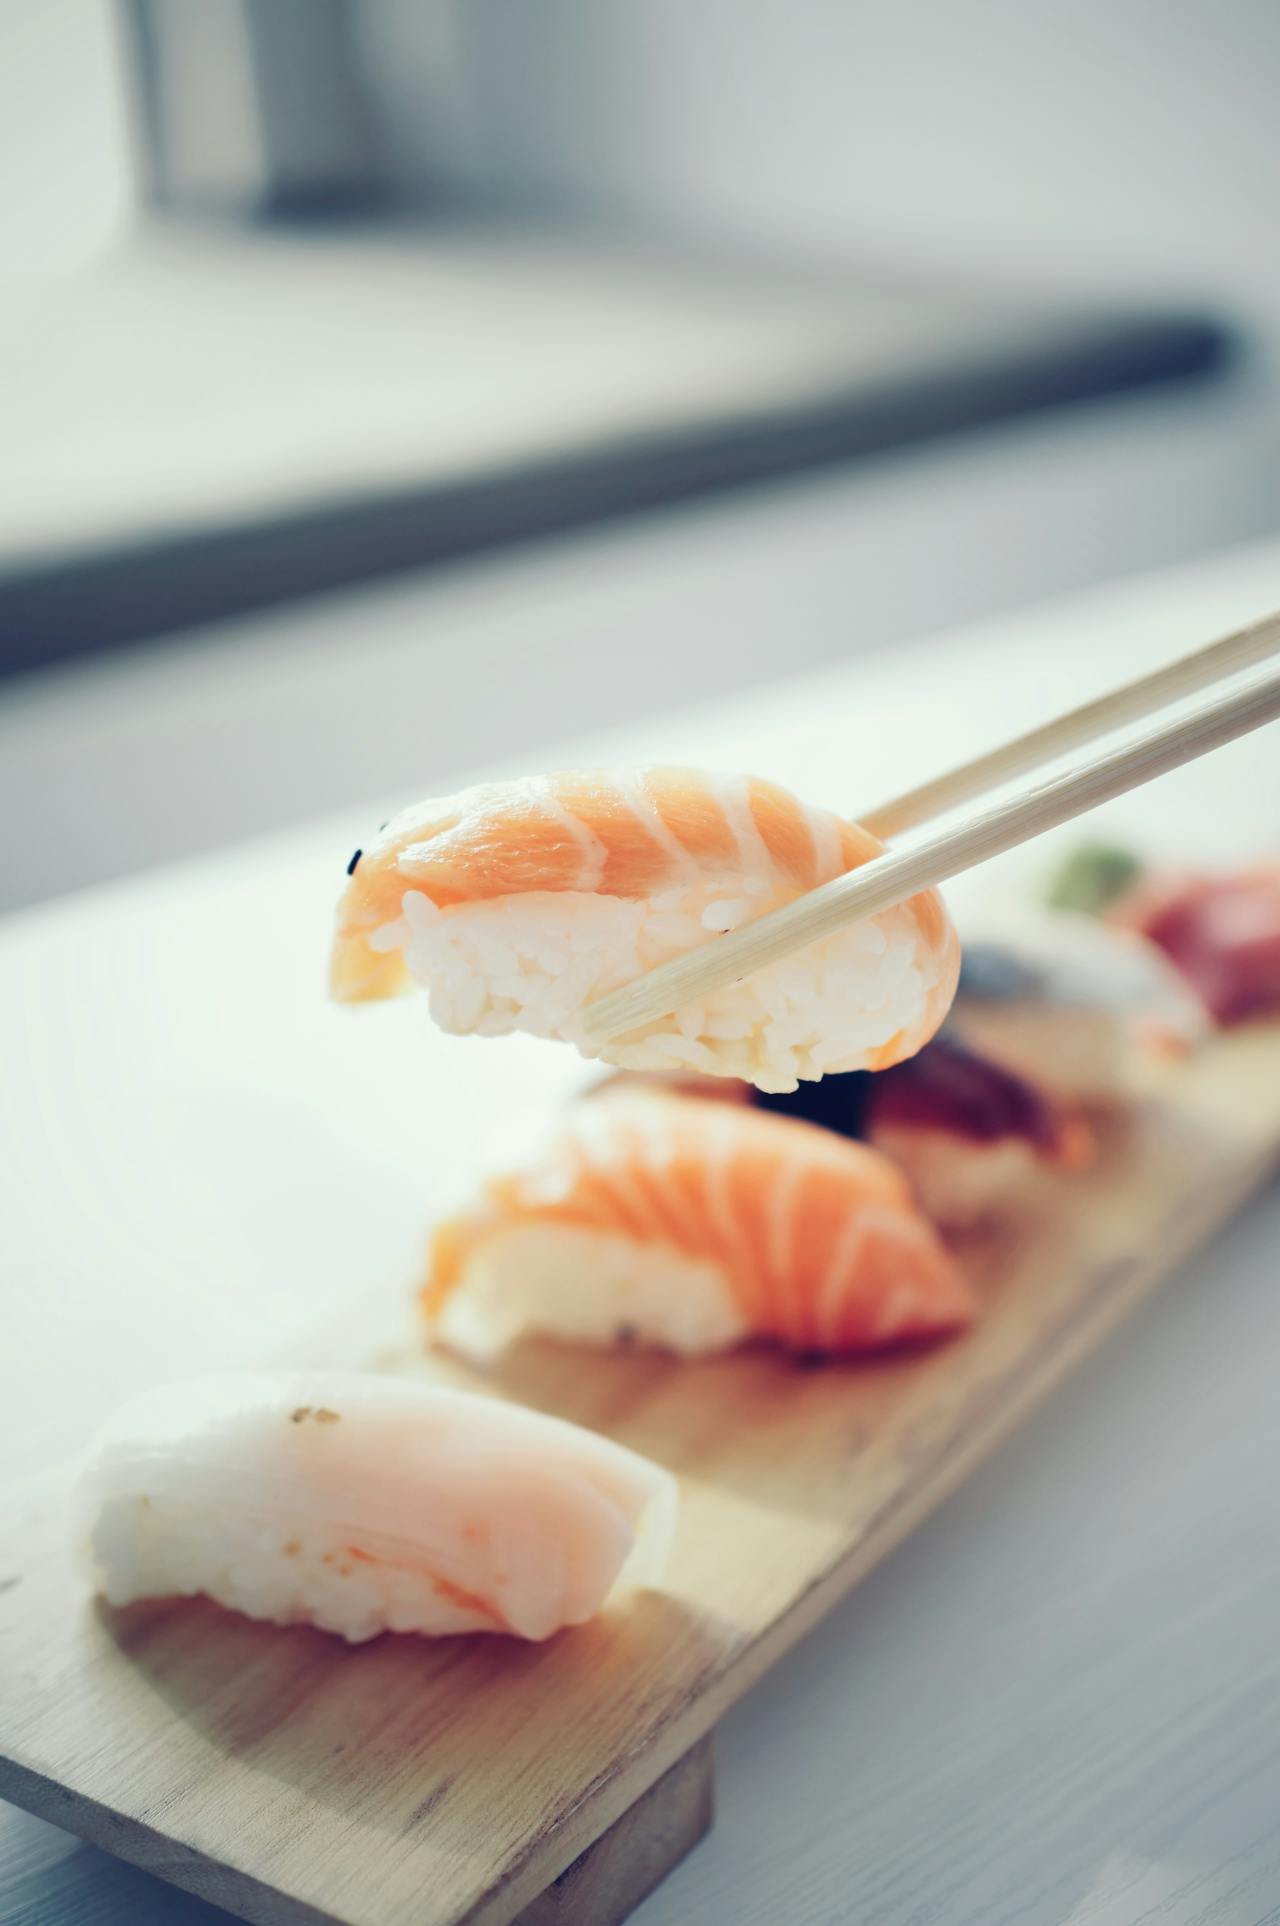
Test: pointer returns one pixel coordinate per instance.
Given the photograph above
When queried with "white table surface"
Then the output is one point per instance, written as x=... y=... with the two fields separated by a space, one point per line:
x=1060 y=1701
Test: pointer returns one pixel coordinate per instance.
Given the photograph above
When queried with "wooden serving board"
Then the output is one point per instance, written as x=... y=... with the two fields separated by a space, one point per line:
x=414 y=1783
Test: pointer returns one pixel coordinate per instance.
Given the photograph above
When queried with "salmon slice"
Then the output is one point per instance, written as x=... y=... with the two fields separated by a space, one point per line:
x=627 y=833
x=695 y=1225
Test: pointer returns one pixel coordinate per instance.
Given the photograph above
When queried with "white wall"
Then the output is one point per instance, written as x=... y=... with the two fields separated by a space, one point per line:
x=66 y=170
x=394 y=689
x=1132 y=142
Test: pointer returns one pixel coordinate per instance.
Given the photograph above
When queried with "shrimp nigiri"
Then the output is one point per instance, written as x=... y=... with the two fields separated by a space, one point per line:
x=515 y=904
x=363 y=1504
x=693 y=1226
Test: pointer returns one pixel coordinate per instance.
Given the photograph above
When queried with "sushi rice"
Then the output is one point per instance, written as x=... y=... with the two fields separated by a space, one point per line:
x=531 y=962
x=586 y=1286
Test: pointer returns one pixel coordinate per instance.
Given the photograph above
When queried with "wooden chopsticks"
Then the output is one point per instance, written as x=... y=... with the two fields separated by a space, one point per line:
x=900 y=873
x=1157 y=690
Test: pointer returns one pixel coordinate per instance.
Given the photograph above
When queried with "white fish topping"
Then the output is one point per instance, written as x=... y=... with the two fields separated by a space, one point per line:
x=350 y=1501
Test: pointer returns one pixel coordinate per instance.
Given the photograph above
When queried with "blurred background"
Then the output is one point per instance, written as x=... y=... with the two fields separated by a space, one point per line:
x=395 y=387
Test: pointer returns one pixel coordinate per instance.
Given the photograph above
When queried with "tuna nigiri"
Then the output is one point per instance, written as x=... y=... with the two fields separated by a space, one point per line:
x=692 y=1226
x=974 y=1140
x=364 y=1504
x=517 y=903
x=1222 y=933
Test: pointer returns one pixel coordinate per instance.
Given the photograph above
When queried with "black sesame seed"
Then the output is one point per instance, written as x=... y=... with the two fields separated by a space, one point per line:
x=351 y=866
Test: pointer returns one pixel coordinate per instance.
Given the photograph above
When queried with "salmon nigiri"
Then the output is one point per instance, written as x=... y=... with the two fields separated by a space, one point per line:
x=693 y=1226
x=517 y=903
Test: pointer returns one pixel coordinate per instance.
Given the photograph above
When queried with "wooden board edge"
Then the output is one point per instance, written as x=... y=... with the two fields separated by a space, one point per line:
x=176 y=1862
x=607 y=1882
x=1121 y=1291
x=604 y=1884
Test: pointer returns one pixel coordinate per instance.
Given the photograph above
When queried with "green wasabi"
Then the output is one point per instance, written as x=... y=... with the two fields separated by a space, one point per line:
x=1092 y=878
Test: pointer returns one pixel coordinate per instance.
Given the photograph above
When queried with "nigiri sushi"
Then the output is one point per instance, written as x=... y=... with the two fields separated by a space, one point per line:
x=973 y=1139
x=363 y=1504
x=515 y=904
x=1221 y=933
x=692 y=1226
x=1073 y=1004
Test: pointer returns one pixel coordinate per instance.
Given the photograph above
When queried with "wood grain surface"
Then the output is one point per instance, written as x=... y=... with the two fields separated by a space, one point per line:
x=293 y=1780
x=607 y=1882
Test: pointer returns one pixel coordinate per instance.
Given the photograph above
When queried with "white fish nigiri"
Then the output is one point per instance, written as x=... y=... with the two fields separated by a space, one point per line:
x=364 y=1504
x=1074 y=1005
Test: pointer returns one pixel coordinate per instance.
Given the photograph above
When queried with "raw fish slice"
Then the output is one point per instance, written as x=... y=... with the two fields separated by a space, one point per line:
x=1222 y=934
x=364 y=1504
x=694 y=1226
x=974 y=1140
x=1073 y=1004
